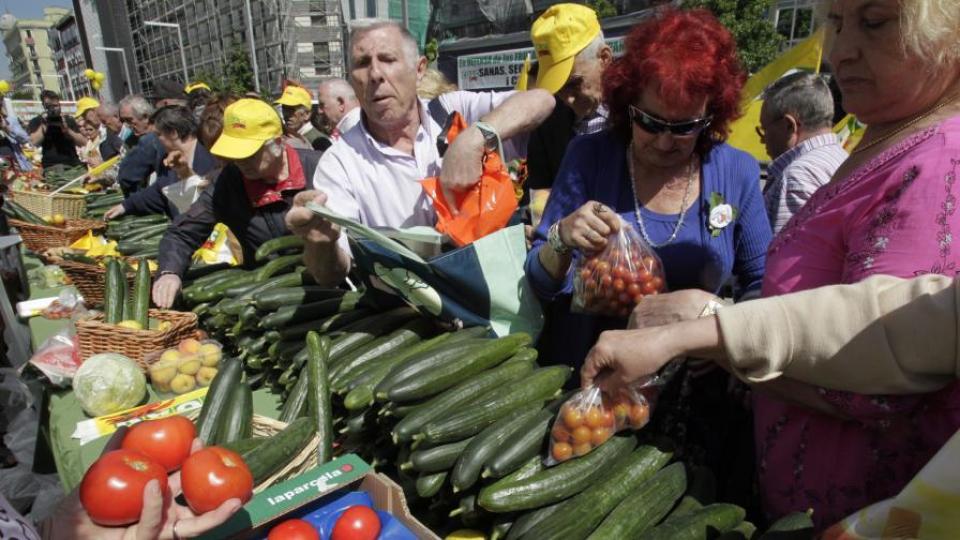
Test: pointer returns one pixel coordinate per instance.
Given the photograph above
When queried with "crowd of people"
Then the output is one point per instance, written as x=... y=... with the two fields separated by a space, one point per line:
x=817 y=374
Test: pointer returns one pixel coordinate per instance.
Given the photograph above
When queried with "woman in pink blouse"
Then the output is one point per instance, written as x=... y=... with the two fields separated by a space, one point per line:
x=891 y=208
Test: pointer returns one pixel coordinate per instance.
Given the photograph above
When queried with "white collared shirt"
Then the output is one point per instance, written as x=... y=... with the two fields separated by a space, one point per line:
x=349 y=120
x=378 y=185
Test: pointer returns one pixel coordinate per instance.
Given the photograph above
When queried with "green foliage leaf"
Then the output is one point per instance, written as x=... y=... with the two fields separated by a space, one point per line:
x=758 y=42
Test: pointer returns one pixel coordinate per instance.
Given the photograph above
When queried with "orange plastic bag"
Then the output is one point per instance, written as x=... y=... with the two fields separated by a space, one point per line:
x=483 y=209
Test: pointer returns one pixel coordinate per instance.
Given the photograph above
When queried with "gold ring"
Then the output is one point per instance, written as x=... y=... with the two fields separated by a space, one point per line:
x=598 y=208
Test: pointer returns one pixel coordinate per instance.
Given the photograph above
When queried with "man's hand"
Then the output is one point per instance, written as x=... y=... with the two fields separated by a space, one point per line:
x=306 y=224
x=620 y=357
x=669 y=308
x=462 y=164
x=178 y=162
x=114 y=212
x=165 y=290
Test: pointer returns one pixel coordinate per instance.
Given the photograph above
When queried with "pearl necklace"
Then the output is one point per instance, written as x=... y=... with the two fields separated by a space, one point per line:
x=636 y=202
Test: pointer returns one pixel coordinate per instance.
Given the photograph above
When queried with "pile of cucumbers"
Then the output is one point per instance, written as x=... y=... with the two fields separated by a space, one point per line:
x=98 y=203
x=138 y=236
x=123 y=302
x=18 y=212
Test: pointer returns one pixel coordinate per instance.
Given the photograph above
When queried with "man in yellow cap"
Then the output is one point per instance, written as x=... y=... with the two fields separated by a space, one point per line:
x=250 y=195
x=296 y=104
x=198 y=94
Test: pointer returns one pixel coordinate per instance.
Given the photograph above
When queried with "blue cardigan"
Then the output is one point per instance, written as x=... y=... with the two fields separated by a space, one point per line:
x=595 y=168
x=151 y=200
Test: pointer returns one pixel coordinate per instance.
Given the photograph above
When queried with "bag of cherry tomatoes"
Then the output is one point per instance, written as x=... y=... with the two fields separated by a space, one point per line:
x=590 y=417
x=616 y=279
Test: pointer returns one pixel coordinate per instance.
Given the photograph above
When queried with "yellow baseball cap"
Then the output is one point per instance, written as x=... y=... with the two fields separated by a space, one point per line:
x=247 y=124
x=558 y=35
x=196 y=86
x=85 y=104
x=295 y=96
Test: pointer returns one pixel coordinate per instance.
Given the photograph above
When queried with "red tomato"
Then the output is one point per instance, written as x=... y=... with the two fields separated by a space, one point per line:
x=619 y=285
x=581 y=435
x=112 y=488
x=572 y=417
x=657 y=282
x=643 y=275
x=214 y=475
x=606 y=280
x=603 y=267
x=633 y=289
x=600 y=436
x=594 y=417
x=357 y=523
x=293 y=529
x=560 y=433
x=649 y=287
x=166 y=440
x=562 y=451
x=582 y=449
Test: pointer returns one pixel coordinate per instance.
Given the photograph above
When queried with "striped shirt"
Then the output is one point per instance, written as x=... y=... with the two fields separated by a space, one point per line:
x=797 y=173
x=595 y=122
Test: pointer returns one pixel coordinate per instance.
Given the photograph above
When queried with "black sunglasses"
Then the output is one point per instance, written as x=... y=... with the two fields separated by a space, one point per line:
x=655 y=126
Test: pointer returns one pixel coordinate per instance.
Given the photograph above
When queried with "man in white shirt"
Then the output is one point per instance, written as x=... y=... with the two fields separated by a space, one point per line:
x=372 y=173
x=338 y=105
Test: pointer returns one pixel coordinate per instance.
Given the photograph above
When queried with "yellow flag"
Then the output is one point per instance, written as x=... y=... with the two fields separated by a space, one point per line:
x=743 y=132
x=524 y=74
x=850 y=131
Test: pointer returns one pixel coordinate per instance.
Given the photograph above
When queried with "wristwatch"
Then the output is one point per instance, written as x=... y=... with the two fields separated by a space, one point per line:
x=712 y=307
x=556 y=243
x=491 y=139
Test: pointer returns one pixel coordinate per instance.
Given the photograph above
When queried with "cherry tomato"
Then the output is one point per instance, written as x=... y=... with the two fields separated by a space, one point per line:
x=603 y=267
x=600 y=436
x=561 y=451
x=633 y=289
x=214 y=475
x=357 y=523
x=112 y=488
x=581 y=435
x=657 y=282
x=560 y=433
x=621 y=413
x=649 y=263
x=606 y=280
x=594 y=417
x=165 y=440
x=582 y=449
x=585 y=274
x=572 y=417
x=639 y=415
x=649 y=287
x=619 y=285
x=293 y=529
x=642 y=275
x=607 y=419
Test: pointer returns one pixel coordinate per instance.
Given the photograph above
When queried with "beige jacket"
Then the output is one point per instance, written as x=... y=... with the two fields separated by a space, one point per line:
x=884 y=335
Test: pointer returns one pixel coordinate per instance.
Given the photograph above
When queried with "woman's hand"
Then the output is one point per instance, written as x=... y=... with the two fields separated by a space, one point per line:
x=177 y=161
x=668 y=308
x=589 y=226
x=620 y=357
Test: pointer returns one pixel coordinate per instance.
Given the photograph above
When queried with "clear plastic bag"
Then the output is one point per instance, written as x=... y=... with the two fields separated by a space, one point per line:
x=614 y=280
x=590 y=417
x=58 y=358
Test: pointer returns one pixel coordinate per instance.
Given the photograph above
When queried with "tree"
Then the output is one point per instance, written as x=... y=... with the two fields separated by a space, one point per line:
x=237 y=73
x=23 y=93
x=758 y=42
x=603 y=8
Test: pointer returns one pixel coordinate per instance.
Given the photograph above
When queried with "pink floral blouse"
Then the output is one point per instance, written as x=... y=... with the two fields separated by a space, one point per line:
x=895 y=215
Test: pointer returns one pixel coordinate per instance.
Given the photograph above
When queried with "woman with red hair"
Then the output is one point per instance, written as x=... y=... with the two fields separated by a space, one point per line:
x=664 y=169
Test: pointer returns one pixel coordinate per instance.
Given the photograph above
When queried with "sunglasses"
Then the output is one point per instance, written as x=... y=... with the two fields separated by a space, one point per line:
x=655 y=126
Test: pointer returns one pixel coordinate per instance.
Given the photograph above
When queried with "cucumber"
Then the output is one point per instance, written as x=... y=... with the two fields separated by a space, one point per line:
x=114 y=292
x=437 y=458
x=218 y=397
x=714 y=518
x=216 y=290
x=296 y=403
x=532 y=519
x=558 y=482
x=467 y=469
x=429 y=484
x=246 y=292
x=365 y=380
x=423 y=361
x=454 y=399
x=238 y=417
x=582 y=513
x=444 y=375
x=358 y=398
x=243 y=446
x=22 y=212
x=306 y=312
x=539 y=386
x=645 y=507
x=277 y=244
x=521 y=446
x=277 y=266
x=795 y=525
x=318 y=395
x=408 y=334
x=146 y=232
x=141 y=293
x=214 y=276
x=323 y=326
x=271 y=299
x=266 y=459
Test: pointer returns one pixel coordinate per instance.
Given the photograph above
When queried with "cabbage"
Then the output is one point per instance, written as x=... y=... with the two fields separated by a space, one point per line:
x=109 y=382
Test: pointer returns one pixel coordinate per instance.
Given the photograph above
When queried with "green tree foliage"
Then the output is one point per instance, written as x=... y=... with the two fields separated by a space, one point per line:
x=603 y=8
x=758 y=42
x=238 y=73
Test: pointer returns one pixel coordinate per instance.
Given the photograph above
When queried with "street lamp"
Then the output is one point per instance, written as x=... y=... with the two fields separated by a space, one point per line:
x=183 y=56
x=126 y=70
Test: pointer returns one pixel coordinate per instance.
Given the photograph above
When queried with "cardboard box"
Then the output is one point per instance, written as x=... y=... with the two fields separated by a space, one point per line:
x=346 y=473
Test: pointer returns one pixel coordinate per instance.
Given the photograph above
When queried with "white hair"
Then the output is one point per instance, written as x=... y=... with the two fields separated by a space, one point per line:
x=592 y=49
x=358 y=27
x=138 y=104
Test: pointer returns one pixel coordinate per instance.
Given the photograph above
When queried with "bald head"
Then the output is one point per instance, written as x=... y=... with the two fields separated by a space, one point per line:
x=335 y=98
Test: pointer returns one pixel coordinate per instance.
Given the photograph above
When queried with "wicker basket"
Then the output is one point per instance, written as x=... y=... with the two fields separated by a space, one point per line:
x=89 y=279
x=68 y=205
x=96 y=336
x=41 y=237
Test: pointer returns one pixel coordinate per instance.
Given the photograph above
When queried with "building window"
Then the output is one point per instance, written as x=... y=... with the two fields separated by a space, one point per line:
x=371 y=8
x=321 y=54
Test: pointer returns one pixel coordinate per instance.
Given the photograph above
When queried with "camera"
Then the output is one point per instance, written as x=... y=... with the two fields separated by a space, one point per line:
x=53 y=113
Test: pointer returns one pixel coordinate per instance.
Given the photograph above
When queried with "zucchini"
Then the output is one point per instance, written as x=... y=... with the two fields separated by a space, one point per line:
x=271 y=299
x=429 y=484
x=148 y=231
x=306 y=312
x=278 y=266
x=213 y=277
x=365 y=380
x=277 y=244
x=525 y=443
x=141 y=293
x=582 y=513
x=645 y=507
x=539 y=386
x=238 y=418
x=454 y=399
x=266 y=459
x=467 y=469
x=243 y=446
x=711 y=519
x=358 y=398
x=437 y=458
x=318 y=395
x=216 y=290
x=218 y=397
x=296 y=403
x=444 y=375
x=114 y=292
x=408 y=334
x=323 y=326
x=422 y=363
x=23 y=213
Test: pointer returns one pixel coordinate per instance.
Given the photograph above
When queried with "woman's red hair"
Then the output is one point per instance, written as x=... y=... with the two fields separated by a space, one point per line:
x=688 y=55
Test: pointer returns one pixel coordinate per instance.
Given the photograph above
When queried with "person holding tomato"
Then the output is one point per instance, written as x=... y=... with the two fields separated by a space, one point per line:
x=664 y=169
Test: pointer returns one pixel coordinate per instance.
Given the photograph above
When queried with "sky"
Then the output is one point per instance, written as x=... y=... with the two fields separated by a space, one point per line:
x=25 y=9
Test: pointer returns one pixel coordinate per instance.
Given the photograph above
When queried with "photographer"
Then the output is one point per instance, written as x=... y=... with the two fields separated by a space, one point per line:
x=58 y=135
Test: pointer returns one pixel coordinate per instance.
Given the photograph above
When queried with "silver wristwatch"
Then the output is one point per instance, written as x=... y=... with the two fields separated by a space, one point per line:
x=556 y=243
